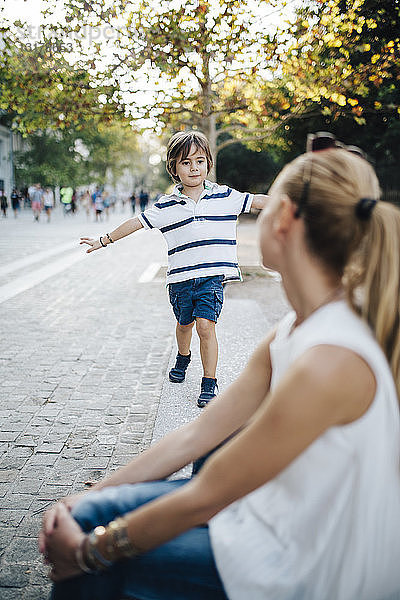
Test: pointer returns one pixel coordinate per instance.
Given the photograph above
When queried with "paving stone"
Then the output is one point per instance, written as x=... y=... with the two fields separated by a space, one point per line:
x=6 y=535
x=23 y=551
x=11 y=517
x=11 y=576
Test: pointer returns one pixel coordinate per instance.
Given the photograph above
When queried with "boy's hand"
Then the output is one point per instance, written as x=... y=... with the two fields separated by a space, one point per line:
x=94 y=244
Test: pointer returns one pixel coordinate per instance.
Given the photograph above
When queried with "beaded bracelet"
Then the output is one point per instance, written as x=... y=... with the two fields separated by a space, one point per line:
x=101 y=242
x=93 y=556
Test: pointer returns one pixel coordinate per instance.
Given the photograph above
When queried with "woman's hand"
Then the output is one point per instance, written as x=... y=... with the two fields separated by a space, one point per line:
x=94 y=244
x=59 y=540
x=50 y=518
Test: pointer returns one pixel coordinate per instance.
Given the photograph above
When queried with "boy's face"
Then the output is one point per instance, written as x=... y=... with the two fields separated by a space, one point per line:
x=192 y=171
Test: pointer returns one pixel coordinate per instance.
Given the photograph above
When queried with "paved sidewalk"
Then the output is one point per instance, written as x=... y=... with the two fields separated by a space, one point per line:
x=84 y=352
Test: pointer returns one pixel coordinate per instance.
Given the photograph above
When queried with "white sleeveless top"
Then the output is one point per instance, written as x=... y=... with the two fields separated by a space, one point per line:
x=328 y=526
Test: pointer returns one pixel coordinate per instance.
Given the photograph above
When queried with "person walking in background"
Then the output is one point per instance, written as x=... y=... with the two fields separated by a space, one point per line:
x=73 y=202
x=198 y=221
x=15 y=205
x=66 y=193
x=36 y=201
x=48 y=202
x=106 y=203
x=3 y=203
x=98 y=205
x=86 y=203
x=133 y=201
x=143 y=200
x=303 y=501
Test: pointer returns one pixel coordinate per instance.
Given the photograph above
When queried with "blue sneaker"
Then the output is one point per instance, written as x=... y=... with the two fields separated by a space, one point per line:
x=209 y=390
x=177 y=374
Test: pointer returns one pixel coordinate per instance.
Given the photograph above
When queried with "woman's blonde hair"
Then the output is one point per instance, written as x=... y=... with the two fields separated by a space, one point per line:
x=179 y=147
x=362 y=248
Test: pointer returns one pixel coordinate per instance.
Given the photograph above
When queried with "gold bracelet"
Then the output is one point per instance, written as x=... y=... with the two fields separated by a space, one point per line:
x=118 y=543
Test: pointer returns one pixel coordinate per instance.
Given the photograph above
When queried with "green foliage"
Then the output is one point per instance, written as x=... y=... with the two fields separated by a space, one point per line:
x=40 y=89
x=77 y=157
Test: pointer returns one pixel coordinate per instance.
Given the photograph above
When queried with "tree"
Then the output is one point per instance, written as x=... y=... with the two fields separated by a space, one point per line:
x=200 y=57
x=341 y=63
x=91 y=155
x=40 y=89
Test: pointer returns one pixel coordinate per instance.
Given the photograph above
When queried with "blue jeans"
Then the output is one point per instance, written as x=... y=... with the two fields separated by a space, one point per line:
x=182 y=569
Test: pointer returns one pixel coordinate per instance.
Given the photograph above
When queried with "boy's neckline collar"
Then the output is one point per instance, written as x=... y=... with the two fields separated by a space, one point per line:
x=208 y=185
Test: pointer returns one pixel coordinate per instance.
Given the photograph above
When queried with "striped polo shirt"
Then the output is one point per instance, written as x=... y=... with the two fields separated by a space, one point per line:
x=200 y=236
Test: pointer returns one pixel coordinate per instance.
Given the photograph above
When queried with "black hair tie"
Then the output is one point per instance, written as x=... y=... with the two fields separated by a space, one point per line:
x=364 y=208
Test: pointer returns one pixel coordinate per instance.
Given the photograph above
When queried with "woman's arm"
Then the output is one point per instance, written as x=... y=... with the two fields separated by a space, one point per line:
x=328 y=386
x=227 y=413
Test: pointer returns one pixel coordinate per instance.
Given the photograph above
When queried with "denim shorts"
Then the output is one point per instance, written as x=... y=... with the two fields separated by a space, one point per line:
x=197 y=298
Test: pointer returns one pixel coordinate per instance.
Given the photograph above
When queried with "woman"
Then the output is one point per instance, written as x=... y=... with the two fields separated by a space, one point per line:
x=304 y=501
x=48 y=202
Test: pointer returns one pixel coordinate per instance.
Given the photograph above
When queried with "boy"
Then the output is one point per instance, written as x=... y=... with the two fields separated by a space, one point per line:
x=198 y=221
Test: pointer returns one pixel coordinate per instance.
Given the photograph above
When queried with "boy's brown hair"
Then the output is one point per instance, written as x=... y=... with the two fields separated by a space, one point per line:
x=179 y=148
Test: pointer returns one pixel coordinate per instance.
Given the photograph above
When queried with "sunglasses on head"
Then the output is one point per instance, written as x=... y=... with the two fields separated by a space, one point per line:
x=323 y=140
x=316 y=142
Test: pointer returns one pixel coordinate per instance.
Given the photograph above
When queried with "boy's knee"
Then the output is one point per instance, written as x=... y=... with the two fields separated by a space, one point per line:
x=205 y=328
x=184 y=328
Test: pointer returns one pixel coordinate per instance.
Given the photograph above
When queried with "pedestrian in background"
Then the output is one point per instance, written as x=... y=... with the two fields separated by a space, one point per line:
x=66 y=193
x=106 y=203
x=133 y=200
x=143 y=200
x=36 y=201
x=73 y=202
x=304 y=500
x=86 y=203
x=98 y=206
x=3 y=203
x=48 y=202
x=15 y=202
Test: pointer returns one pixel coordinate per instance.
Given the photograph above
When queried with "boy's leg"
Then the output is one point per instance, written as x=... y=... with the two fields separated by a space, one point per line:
x=208 y=346
x=184 y=338
x=208 y=304
x=180 y=295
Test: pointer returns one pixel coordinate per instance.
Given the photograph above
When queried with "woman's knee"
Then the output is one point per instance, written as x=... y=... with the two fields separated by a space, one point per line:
x=99 y=508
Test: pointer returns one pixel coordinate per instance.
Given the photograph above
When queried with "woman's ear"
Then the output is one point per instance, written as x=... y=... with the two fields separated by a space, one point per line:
x=285 y=215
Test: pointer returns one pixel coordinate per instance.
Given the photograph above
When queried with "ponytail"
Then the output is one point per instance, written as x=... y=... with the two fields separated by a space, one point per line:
x=376 y=271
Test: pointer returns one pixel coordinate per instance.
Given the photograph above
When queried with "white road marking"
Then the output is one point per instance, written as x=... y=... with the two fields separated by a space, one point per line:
x=25 y=282
x=149 y=273
x=21 y=263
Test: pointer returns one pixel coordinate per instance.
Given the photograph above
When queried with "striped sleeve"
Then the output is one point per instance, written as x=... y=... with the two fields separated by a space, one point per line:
x=241 y=201
x=153 y=217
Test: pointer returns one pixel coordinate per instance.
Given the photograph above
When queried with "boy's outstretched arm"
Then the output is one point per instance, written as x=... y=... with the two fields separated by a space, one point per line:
x=259 y=201
x=126 y=228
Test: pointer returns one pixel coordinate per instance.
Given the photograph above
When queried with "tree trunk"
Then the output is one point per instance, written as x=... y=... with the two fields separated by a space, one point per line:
x=212 y=138
x=209 y=121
